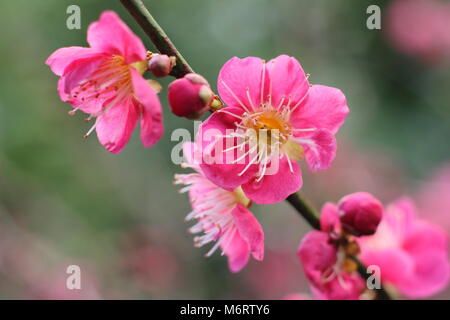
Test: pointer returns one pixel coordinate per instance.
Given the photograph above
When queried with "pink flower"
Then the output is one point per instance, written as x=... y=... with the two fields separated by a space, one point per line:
x=274 y=118
x=411 y=253
x=420 y=28
x=222 y=216
x=325 y=262
x=105 y=81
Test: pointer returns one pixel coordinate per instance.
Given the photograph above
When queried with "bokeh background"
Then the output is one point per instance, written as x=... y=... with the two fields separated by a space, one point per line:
x=65 y=200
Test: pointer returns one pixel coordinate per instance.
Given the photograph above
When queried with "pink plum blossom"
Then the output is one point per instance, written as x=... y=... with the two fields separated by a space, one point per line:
x=105 y=81
x=299 y=121
x=324 y=261
x=420 y=28
x=411 y=253
x=222 y=216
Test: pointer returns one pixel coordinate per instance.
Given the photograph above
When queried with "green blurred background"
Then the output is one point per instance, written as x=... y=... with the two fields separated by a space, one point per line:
x=65 y=200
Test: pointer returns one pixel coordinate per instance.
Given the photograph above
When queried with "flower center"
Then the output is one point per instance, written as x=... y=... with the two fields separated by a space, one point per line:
x=267 y=129
x=272 y=121
x=109 y=85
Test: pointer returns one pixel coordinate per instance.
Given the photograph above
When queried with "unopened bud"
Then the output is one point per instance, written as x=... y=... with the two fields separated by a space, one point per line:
x=190 y=96
x=161 y=65
x=360 y=213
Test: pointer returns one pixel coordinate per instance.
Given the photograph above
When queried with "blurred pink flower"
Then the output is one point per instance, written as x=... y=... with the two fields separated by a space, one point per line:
x=411 y=253
x=301 y=120
x=420 y=28
x=105 y=81
x=325 y=261
x=222 y=216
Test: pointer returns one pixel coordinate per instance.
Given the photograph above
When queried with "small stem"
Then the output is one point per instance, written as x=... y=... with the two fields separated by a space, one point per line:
x=305 y=209
x=157 y=35
x=312 y=216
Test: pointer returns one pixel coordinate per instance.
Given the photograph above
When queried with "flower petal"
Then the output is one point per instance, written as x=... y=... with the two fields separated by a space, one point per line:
x=69 y=85
x=151 y=122
x=329 y=218
x=316 y=255
x=237 y=77
x=78 y=71
x=348 y=287
x=396 y=266
x=250 y=230
x=238 y=253
x=320 y=148
x=400 y=217
x=63 y=57
x=324 y=107
x=431 y=275
x=115 y=127
x=424 y=236
x=287 y=79
x=216 y=162
x=276 y=187
x=111 y=35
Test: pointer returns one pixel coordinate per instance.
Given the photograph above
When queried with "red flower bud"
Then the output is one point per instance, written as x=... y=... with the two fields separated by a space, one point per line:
x=190 y=96
x=360 y=213
x=160 y=65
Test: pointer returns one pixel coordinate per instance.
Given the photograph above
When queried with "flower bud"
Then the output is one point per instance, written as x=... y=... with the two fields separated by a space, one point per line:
x=190 y=96
x=360 y=213
x=161 y=65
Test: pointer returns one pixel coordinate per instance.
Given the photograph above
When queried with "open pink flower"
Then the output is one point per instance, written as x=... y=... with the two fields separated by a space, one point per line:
x=274 y=118
x=411 y=253
x=222 y=216
x=323 y=266
x=105 y=81
x=325 y=262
